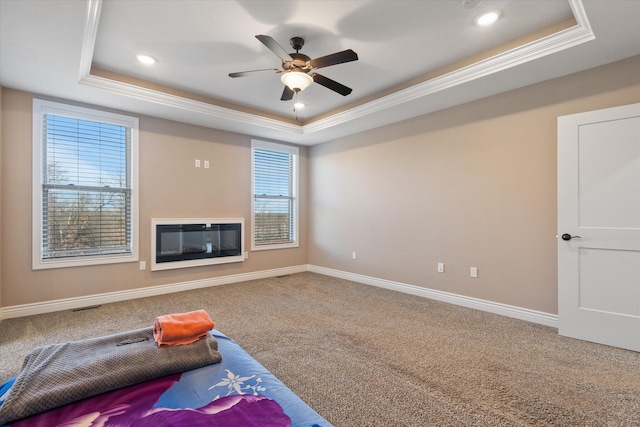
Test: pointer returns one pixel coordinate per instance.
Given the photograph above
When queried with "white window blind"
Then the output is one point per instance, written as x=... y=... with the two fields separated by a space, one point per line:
x=275 y=198
x=86 y=187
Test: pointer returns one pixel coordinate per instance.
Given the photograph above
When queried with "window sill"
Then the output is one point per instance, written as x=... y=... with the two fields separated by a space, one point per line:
x=255 y=248
x=39 y=264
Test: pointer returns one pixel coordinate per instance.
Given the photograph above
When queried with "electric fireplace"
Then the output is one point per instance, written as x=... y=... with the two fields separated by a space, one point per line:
x=178 y=243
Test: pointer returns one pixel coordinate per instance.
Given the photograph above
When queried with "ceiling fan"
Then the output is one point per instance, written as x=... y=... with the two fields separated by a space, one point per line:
x=297 y=68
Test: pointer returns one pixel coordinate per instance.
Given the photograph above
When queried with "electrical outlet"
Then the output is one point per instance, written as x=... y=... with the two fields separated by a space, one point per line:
x=143 y=265
x=354 y=255
x=197 y=163
x=473 y=272
x=206 y=164
x=440 y=267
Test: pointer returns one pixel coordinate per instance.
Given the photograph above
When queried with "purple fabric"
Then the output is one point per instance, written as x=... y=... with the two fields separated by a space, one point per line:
x=109 y=408
x=133 y=406
x=245 y=410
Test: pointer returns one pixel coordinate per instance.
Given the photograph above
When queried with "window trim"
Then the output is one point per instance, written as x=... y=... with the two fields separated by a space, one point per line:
x=281 y=148
x=42 y=107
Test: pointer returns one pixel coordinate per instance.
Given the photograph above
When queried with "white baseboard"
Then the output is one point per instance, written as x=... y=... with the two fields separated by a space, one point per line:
x=469 y=302
x=105 y=298
x=109 y=297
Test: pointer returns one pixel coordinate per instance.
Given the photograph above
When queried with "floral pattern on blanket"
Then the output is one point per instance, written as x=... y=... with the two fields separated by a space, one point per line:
x=236 y=383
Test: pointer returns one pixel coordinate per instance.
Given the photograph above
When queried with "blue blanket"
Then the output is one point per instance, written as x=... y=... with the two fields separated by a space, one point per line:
x=198 y=394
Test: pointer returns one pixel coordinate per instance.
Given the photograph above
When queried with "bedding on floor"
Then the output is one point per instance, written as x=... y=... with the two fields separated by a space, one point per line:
x=57 y=374
x=234 y=391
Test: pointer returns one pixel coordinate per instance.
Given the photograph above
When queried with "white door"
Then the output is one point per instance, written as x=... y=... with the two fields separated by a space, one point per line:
x=599 y=226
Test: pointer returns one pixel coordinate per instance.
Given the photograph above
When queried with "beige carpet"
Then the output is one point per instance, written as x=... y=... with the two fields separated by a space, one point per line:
x=364 y=356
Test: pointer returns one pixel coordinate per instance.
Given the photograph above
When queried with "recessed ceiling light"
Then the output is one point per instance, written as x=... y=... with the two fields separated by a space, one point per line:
x=146 y=59
x=298 y=105
x=487 y=19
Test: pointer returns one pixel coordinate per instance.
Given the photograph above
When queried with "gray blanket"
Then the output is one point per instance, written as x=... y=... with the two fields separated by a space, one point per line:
x=59 y=374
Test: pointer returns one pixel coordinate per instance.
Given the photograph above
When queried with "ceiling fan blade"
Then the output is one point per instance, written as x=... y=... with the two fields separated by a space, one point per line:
x=274 y=47
x=335 y=58
x=287 y=94
x=331 y=84
x=245 y=73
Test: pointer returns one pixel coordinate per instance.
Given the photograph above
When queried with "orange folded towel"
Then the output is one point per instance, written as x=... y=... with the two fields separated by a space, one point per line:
x=181 y=328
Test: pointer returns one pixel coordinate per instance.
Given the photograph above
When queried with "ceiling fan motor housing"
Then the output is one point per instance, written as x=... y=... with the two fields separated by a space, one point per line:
x=297 y=43
x=300 y=62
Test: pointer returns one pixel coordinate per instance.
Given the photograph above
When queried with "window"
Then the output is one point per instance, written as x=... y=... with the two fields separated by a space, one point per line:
x=274 y=174
x=84 y=186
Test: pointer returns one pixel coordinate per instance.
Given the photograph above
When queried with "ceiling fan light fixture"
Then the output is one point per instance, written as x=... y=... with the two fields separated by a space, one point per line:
x=296 y=80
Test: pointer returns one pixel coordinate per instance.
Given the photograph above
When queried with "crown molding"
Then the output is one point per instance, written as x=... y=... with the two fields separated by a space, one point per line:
x=189 y=105
x=564 y=39
x=89 y=38
x=157 y=97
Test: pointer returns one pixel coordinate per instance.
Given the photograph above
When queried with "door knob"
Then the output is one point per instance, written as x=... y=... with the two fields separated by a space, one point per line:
x=568 y=237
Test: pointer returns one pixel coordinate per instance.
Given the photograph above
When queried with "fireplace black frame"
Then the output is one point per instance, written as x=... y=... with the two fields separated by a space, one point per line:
x=178 y=243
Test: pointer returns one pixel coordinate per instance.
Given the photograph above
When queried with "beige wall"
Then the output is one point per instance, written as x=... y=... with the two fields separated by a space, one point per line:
x=473 y=185
x=170 y=186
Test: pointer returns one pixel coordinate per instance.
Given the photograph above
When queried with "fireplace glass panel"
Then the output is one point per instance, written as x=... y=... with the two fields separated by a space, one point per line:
x=182 y=242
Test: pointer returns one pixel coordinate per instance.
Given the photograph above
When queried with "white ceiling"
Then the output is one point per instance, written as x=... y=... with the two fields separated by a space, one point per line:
x=58 y=47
